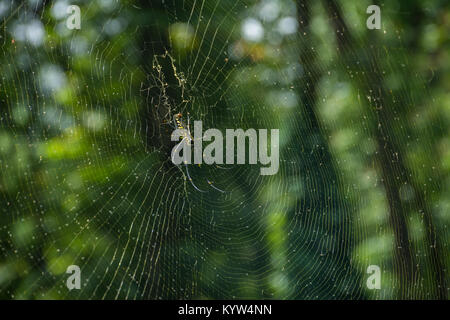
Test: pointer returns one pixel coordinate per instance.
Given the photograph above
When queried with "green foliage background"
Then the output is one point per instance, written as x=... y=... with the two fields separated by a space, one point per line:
x=85 y=171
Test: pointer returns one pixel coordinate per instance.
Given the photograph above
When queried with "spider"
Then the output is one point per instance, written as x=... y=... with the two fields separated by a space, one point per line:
x=178 y=123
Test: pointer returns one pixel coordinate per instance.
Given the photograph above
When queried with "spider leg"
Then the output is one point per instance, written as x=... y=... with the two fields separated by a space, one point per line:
x=214 y=187
x=190 y=179
x=187 y=169
x=176 y=150
x=188 y=139
x=222 y=168
x=189 y=125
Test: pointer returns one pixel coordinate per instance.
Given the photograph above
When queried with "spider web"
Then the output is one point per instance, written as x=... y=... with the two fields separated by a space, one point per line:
x=85 y=157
